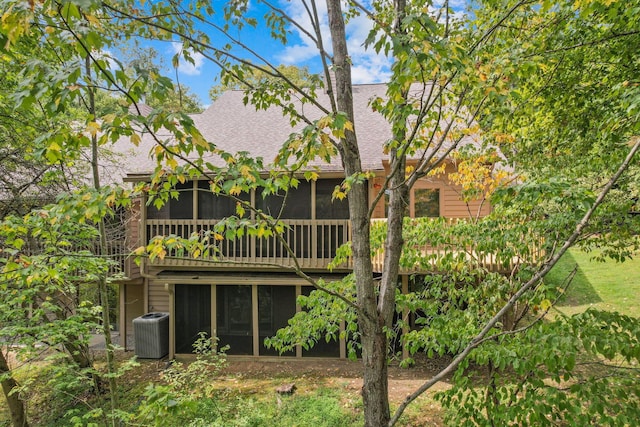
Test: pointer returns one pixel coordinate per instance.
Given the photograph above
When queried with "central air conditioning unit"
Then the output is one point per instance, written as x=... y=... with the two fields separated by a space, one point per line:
x=151 y=335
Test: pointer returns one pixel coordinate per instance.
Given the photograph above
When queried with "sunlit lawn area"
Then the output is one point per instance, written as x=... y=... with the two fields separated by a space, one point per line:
x=609 y=285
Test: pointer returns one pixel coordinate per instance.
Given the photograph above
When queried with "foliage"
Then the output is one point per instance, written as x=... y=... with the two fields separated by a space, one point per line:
x=323 y=408
x=42 y=267
x=253 y=77
x=321 y=319
x=552 y=84
x=186 y=385
x=180 y=100
x=27 y=180
x=580 y=370
x=573 y=107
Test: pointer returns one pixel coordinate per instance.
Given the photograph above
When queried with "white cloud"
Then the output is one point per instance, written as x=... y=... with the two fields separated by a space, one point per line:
x=108 y=56
x=367 y=66
x=184 y=66
x=306 y=49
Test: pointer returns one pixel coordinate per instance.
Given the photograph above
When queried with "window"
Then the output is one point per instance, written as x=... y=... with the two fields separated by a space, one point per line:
x=212 y=206
x=193 y=315
x=298 y=202
x=276 y=305
x=326 y=208
x=234 y=318
x=180 y=208
x=425 y=202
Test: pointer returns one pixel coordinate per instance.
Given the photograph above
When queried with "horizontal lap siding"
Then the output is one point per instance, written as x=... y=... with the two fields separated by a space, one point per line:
x=452 y=204
x=158 y=297
x=374 y=188
x=133 y=237
x=454 y=207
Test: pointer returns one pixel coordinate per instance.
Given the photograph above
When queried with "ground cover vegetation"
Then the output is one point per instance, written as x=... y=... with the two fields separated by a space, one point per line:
x=609 y=285
x=245 y=394
x=553 y=85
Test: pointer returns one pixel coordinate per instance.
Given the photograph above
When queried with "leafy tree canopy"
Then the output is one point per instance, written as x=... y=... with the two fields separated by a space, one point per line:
x=286 y=74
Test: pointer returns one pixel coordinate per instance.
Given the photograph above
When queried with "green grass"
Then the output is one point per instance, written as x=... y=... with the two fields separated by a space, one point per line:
x=609 y=285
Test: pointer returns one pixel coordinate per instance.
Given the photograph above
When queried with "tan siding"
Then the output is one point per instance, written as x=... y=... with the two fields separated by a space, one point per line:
x=378 y=181
x=451 y=205
x=134 y=305
x=158 y=297
x=133 y=237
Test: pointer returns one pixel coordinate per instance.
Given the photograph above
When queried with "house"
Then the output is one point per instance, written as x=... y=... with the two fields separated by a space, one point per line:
x=251 y=292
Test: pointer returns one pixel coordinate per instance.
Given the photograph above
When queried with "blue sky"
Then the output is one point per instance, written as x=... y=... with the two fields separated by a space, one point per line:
x=368 y=67
x=200 y=76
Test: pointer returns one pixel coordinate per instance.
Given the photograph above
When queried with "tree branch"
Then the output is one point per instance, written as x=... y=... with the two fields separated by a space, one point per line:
x=545 y=268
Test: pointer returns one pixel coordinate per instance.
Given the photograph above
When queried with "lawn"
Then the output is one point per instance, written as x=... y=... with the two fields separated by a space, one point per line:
x=609 y=285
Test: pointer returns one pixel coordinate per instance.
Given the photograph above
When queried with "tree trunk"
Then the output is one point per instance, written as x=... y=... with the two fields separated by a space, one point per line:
x=16 y=406
x=102 y=281
x=373 y=338
x=80 y=355
x=375 y=388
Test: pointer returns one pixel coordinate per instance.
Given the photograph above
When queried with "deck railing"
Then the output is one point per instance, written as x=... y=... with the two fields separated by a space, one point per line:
x=116 y=252
x=313 y=244
x=441 y=244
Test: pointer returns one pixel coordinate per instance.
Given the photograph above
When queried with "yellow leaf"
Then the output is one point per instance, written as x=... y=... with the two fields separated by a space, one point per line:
x=199 y=140
x=338 y=194
x=545 y=305
x=245 y=171
x=324 y=122
x=240 y=210
x=135 y=139
x=311 y=176
x=348 y=125
x=54 y=146
x=172 y=163
x=93 y=128
x=92 y=19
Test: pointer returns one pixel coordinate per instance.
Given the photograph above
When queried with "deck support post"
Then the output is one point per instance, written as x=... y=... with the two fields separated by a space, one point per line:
x=405 y=317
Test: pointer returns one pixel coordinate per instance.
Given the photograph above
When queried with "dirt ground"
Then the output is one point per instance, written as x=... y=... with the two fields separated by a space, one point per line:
x=402 y=381
x=261 y=377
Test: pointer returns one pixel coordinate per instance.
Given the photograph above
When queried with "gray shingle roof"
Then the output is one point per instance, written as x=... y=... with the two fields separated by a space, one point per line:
x=236 y=127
